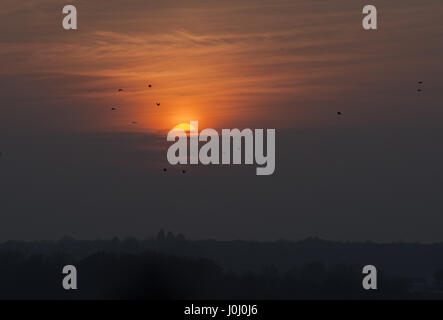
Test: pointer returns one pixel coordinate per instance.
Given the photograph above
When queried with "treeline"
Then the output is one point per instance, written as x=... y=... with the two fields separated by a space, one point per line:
x=170 y=266
x=150 y=275
x=412 y=260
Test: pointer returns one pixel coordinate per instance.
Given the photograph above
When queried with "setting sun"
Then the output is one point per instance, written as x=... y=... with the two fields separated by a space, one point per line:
x=184 y=126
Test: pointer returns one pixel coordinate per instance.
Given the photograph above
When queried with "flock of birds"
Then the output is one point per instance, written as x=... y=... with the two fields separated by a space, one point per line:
x=339 y=113
x=418 y=90
x=164 y=170
x=121 y=90
x=135 y=122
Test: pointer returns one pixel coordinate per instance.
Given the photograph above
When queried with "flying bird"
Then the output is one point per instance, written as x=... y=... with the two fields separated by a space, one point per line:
x=184 y=171
x=339 y=113
x=164 y=169
x=113 y=109
x=420 y=82
x=120 y=90
x=419 y=90
x=149 y=85
x=158 y=104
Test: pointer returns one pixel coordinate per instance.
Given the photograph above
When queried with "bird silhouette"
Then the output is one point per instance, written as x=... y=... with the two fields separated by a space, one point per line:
x=149 y=85
x=420 y=82
x=164 y=169
x=184 y=171
x=339 y=113
x=119 y=90
x=113 y=109
x=158 y=104
x=419 y=90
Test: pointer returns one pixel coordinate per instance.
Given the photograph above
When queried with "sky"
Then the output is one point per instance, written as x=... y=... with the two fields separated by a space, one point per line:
x=71 y=166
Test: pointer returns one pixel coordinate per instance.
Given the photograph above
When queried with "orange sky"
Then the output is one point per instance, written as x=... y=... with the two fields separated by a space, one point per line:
x=226 y=64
